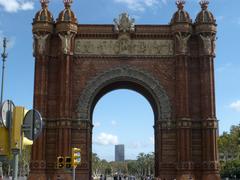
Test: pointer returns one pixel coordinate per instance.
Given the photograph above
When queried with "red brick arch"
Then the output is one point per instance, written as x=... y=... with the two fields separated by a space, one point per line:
x=129 y=78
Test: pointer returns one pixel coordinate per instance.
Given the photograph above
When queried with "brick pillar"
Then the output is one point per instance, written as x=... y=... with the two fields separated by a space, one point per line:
x=184 y=132
x=64 y=122
x=64 y=109
x=38 y=160
x=210 y=164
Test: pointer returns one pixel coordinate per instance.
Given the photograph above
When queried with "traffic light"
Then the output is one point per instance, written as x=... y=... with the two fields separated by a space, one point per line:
x=60 y=162
x=68 y=162
x=76 y=157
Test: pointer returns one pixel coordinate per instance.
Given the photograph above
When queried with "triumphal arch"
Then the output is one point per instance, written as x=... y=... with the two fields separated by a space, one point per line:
x=171 y=65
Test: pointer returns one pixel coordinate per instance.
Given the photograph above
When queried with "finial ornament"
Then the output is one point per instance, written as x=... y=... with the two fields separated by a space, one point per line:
x=67 y=3
x=44 y=3
x=204 y=4
x=180 y=4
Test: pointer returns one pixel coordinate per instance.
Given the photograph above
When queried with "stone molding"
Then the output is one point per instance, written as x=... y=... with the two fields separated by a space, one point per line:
x=129 y=74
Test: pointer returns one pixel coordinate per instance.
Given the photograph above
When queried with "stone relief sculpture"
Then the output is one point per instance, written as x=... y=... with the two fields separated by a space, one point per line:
x=182 y=42
x=124 y=46
x=124 y=23
x=41 y=43
x=209 y=43
x=66 y=42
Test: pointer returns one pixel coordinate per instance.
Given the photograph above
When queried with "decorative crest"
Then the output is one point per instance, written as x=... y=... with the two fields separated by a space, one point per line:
x=180 y=4
x=67 y=3
x=44 y=3
x=124 y=23
x=204 y=4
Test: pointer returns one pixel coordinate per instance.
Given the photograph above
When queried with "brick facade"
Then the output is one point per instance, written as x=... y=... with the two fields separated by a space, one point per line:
x=179 y=87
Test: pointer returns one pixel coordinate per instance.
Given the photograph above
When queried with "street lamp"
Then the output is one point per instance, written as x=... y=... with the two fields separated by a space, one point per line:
x=4 y=58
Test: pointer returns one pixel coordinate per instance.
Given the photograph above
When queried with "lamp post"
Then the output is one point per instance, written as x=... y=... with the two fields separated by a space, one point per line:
x=4 y=58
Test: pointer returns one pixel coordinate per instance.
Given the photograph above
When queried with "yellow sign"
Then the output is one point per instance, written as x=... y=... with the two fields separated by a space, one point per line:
x=18 y=115
x=4 y=142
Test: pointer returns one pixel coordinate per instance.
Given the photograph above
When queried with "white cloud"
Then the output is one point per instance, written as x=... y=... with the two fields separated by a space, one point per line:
x=142 y=144
x=235 y=105
x=113 y=123
x=135 y=145
x=238 y=21
x=27 y=6
x=16 y=5
x=224 y=67
x=139 y=5
x=151 y=139
x=97 y=124
x=106 y=139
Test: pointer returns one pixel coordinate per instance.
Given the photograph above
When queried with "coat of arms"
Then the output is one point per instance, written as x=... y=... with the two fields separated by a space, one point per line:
x=124 y=23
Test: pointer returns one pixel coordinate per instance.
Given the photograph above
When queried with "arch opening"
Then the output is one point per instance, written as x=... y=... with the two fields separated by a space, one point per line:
x=123 y=117
x=128 y=85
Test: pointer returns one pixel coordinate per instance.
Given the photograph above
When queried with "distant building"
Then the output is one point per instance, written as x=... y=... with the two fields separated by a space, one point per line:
x=119 y=152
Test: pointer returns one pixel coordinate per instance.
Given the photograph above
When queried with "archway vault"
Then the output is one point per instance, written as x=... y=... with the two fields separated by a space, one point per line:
x=129 y=78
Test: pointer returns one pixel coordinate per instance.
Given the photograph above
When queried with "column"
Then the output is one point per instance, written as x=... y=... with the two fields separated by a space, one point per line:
x=183 y=124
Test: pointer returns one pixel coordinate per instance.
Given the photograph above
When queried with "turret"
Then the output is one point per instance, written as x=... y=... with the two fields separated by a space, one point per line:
x=181 y=25
x=206 y=27
x=43 y=24
x=181 y=21
x=67 y=27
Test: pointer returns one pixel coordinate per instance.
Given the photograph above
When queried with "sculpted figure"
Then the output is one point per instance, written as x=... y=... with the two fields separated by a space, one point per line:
x=66 y=42
x=41 y=43
x=207 y=43
x=183 y=42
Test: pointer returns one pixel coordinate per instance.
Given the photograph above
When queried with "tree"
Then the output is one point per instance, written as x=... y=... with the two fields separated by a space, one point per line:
x=229 y=143
x=229 y=149
x=143 y=166
x=96 y=165
x=145 y=163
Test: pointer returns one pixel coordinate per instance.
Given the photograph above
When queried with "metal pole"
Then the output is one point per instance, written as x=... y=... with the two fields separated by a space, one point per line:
x=4 y=57
x=74 y=173
x=1 y=172
x=15 y=152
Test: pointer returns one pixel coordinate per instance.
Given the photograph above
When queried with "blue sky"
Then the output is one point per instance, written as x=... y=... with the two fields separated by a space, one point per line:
x=112 y=123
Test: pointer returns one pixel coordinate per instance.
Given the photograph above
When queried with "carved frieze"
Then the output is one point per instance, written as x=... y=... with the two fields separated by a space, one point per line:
x=124 y=46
